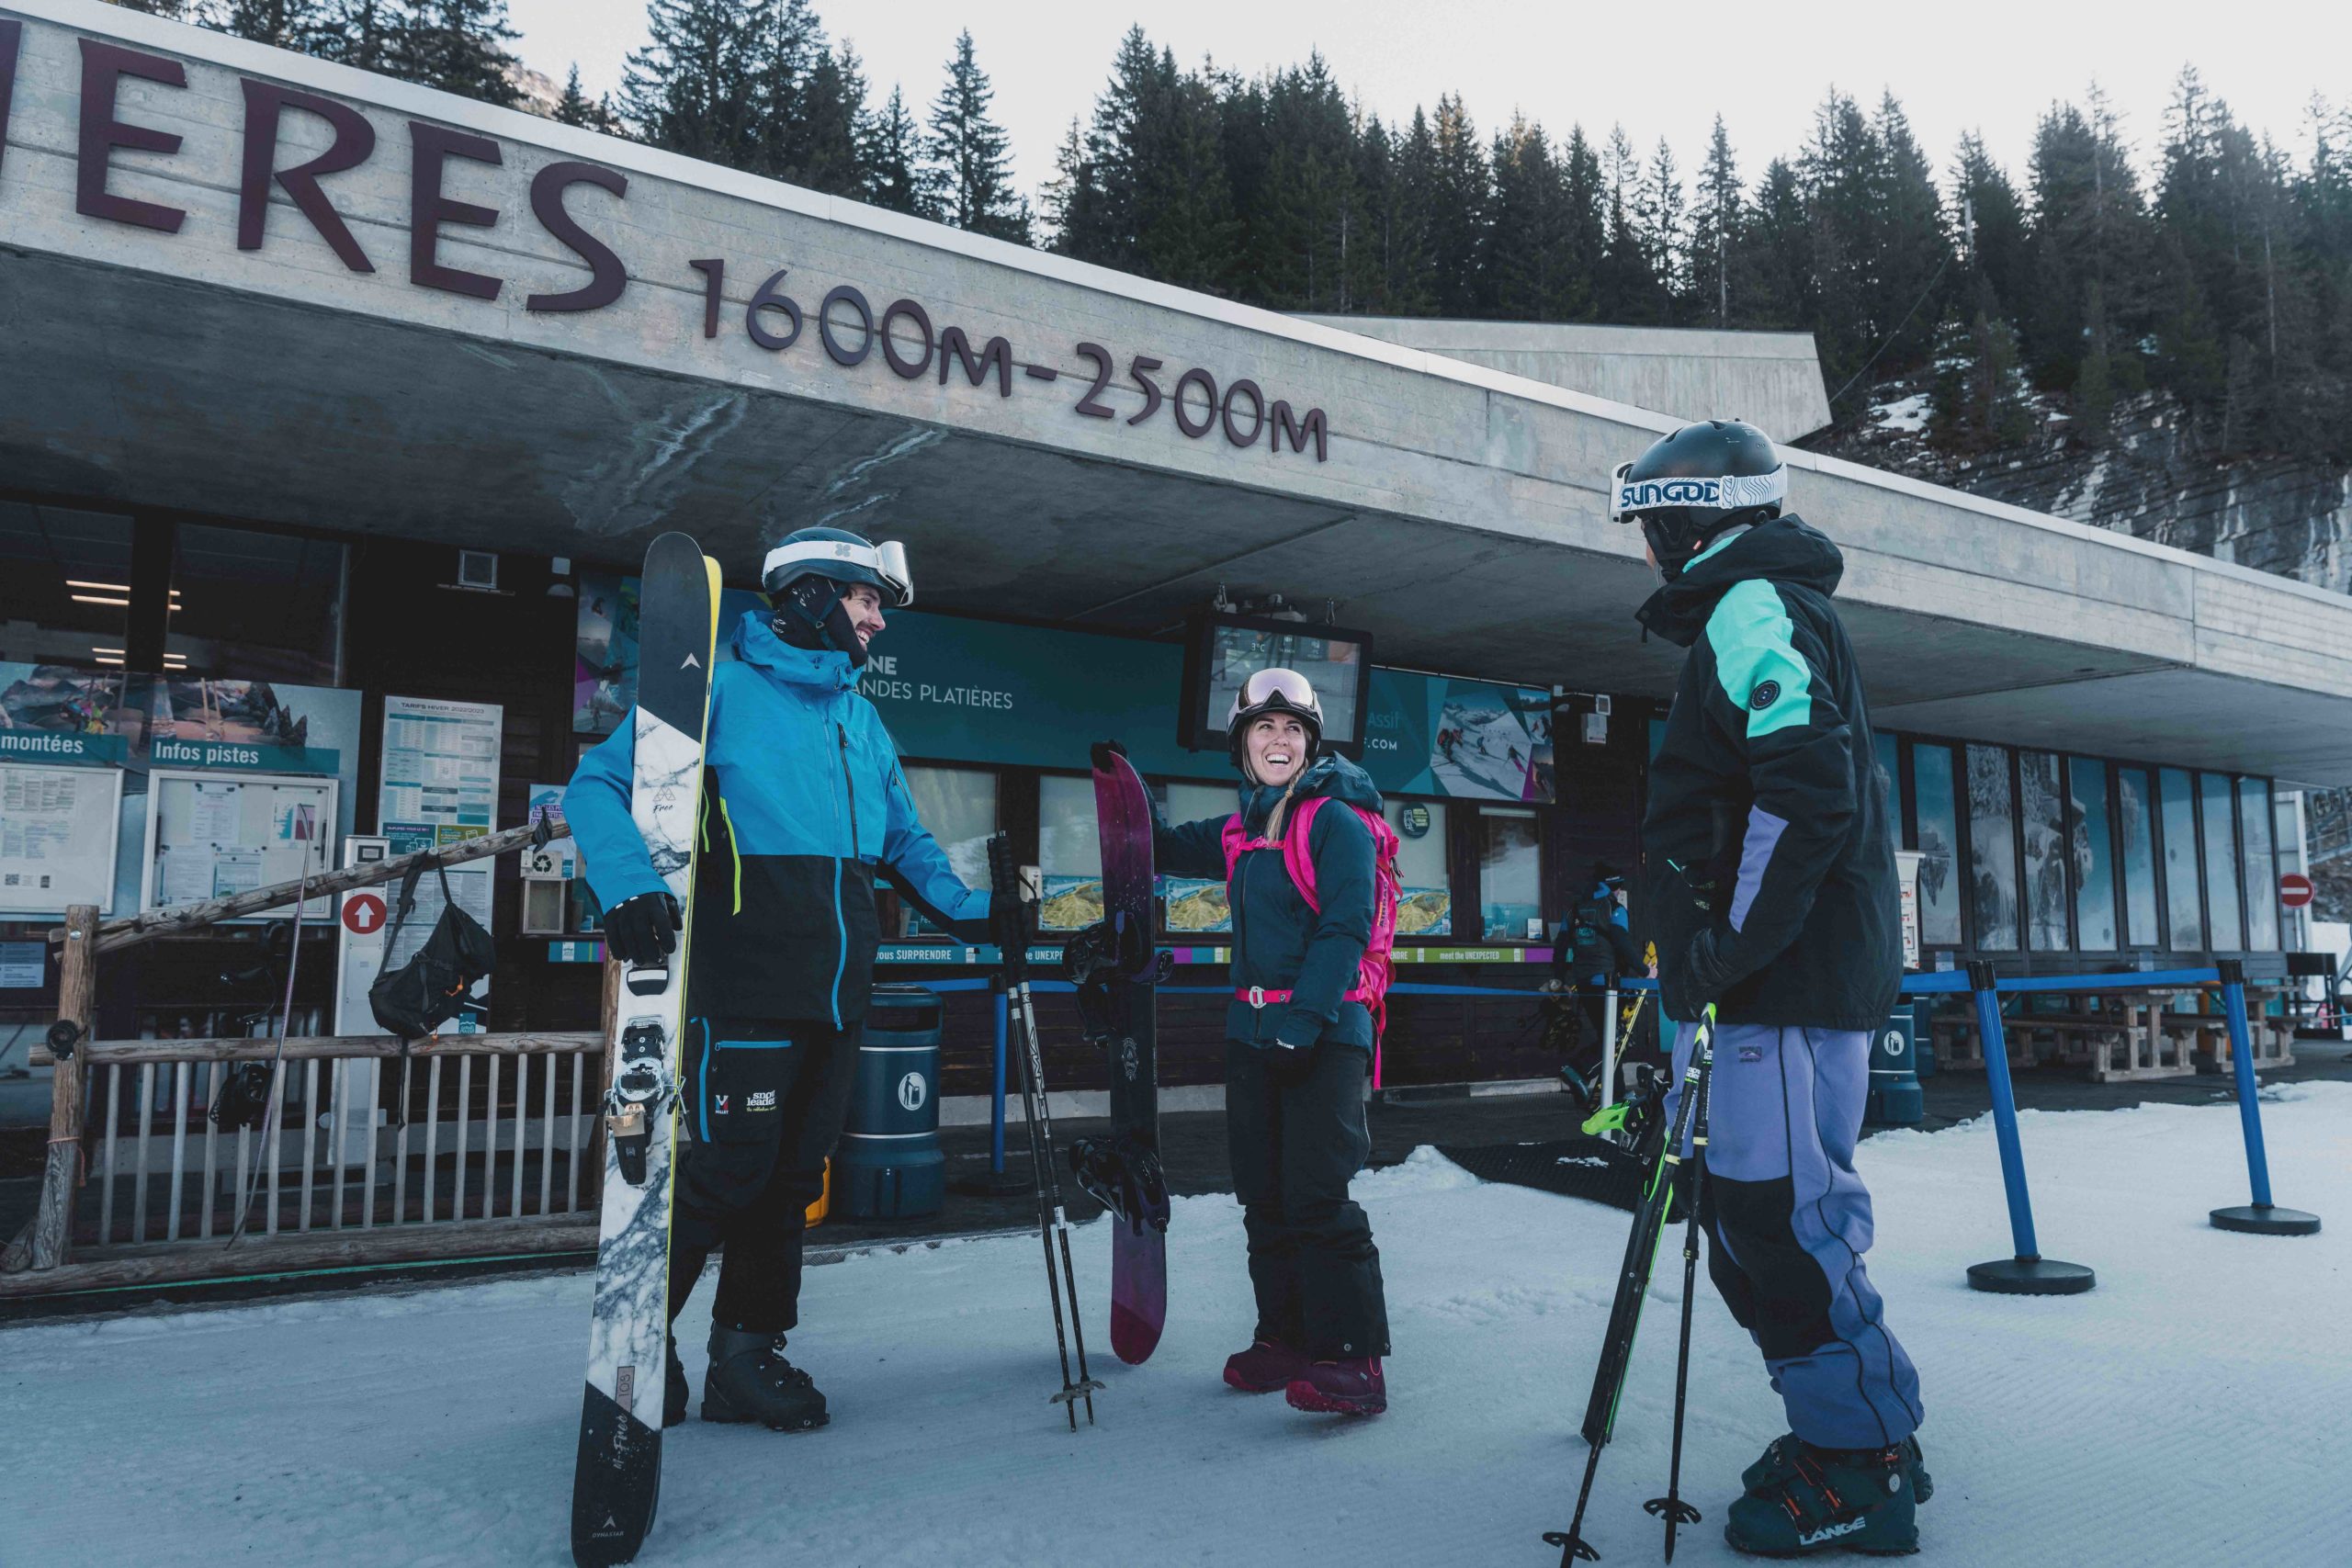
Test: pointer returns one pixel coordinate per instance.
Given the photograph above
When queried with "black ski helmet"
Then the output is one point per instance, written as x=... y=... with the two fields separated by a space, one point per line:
x=807 y=576
x=1273 y=691
x=1691 y=485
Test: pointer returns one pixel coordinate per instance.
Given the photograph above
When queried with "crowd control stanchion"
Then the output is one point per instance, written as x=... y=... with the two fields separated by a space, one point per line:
x=2261 y=1217
x=1608 y=1046
x=999 y=1182
x=2028 y=1273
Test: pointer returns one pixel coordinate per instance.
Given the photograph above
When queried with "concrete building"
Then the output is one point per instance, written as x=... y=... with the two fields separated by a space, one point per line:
x=284 y=339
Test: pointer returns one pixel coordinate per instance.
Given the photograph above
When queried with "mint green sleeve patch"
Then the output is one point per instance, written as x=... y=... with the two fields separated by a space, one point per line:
x=1756 y=660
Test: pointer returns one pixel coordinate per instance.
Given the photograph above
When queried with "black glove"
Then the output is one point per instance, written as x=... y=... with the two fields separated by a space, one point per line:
x=1101 y=754
x=643 y=930
x=1705 y=969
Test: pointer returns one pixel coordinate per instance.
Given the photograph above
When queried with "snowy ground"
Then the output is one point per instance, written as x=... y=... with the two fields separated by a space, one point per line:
x=2192 y=1410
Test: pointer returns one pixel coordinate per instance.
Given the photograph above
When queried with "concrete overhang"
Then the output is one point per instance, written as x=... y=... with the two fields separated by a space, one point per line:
x=1458 y=515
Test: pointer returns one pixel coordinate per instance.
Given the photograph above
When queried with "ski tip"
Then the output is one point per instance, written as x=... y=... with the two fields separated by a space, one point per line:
x=1573 y=1548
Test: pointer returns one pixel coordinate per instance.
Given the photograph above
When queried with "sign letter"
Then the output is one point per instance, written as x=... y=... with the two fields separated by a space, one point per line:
x=355 y=138
x=428 y=209
x=607 y=278
x=103 y=67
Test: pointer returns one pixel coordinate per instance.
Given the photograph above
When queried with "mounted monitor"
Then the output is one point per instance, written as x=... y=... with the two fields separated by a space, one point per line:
x=1223 y=650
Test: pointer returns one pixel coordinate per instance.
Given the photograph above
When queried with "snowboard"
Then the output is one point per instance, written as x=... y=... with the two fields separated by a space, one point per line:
x=1118 y=969
x=617 y=1481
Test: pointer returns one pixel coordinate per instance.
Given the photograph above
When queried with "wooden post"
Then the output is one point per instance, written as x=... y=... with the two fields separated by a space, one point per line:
x=76 y=1000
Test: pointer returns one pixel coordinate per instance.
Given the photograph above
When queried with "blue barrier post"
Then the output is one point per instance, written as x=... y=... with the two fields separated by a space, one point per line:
x=997 y=1182
x=2261 y=1217
x=2028 y=1273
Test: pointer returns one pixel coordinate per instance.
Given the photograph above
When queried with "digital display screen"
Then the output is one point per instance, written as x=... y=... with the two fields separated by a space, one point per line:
x=1225 y=651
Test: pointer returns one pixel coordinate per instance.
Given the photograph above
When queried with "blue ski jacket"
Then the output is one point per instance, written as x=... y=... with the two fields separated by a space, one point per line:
x=804 y=803
x=1279 y=942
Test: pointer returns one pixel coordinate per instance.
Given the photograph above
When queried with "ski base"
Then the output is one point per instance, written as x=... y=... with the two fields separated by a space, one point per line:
x=616 y=1485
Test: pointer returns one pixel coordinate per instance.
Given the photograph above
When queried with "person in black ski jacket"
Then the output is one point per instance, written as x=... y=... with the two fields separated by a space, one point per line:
x=1595 y=946
x=1770 y=890
x=1298 y=1049
x=804 y=806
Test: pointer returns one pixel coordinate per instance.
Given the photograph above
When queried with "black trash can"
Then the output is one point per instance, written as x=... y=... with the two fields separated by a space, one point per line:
x=1894 y=1098
x=889 y=1165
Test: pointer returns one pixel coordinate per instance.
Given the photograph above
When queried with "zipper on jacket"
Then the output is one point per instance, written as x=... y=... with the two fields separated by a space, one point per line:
x=849 y=784
x=734 y=845
x=841 y=871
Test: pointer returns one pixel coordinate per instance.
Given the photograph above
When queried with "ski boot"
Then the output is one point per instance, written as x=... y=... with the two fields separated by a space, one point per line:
x=1267 y=1367
x=674 y=1389
x=1778 y=1464
x=1340 y=1388
x=750 y=1381
x=1850 y=1499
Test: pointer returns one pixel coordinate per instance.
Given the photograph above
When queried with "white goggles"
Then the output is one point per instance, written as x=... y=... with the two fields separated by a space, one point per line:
x=1264 y=685
x=1629 y=498
x=887 y=561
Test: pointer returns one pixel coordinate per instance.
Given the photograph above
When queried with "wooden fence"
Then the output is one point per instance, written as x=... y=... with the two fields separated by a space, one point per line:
x=465 y=1146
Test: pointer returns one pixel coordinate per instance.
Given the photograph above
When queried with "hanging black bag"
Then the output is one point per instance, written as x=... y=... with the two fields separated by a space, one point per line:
x=430 y=989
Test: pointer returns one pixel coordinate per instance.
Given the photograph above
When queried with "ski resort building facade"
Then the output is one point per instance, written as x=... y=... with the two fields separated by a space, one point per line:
x=335 y=413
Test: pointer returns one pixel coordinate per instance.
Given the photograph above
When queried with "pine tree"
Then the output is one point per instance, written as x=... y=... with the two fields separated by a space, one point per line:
x=1716 y=216
x=1410 y=285
x=1772 y=282
x=1524 y=248
x=823 y=148
x=968 y=163
x=457 y=46
x=298 y=25
x=1309 y=215
x=1626 y=288
x=1659 y=218
x=369 y=35
x=1584 y=227
x=574 y=107
x=691 y=88
x=1910 y=261
x=892 y=149
x=1459 y=197
x=1185 y=224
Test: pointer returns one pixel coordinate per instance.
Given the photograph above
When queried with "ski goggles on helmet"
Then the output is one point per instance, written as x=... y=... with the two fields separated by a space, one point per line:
x=883 y=565
x=1278 y=689
x=1630 y=497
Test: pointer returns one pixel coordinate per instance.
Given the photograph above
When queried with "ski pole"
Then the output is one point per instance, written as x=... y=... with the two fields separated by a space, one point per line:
x=1671 y=1507
x=1051 y=1220
x=1635 y=1276
x=278 y=1063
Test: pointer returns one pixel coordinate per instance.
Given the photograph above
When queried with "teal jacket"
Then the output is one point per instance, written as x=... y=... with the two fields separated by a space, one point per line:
x=1280 y=942
x=804 y=804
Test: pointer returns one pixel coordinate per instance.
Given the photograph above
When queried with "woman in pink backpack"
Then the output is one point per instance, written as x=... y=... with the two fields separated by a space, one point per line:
x=1303 y=876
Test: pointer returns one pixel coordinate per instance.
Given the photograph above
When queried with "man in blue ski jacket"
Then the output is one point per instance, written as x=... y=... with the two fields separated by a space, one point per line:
x=1770 y=890
x=804 y=804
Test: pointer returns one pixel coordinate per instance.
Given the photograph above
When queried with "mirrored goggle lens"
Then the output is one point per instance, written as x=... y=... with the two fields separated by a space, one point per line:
x=1288 y=684
x=890 y=565
x=1617 y=512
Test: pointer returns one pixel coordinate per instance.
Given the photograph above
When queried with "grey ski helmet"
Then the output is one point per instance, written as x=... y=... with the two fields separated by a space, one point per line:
x=1273 y=691
x=807 y=575
x=1693 y=484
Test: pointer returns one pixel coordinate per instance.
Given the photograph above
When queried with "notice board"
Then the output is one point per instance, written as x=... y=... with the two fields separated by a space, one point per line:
x=57 y=826
x=210 y=835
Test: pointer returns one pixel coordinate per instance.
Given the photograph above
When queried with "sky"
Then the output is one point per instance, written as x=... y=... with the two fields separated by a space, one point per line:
x=1665 y=70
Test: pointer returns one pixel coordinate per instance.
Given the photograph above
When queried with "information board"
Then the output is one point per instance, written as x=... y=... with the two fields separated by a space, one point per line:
x=440 y=772
x=210 y=835
x=57 y=826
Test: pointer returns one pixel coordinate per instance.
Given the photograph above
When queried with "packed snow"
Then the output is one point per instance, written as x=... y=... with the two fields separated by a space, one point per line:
x=2191 y=1410
x=1908 y=415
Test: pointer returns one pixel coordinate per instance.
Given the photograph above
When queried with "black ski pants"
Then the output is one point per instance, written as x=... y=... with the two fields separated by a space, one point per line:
x=1295 y=1130
x=762 y=1106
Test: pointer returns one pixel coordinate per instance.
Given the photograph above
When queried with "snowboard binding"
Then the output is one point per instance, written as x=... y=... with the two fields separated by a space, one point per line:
x=1123 y=1175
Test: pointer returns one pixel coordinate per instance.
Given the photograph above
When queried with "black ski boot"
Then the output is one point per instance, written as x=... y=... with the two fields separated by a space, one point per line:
x=1780 y=1462
x=675 y=1391
x=750 y=1381
x=1830 y=1499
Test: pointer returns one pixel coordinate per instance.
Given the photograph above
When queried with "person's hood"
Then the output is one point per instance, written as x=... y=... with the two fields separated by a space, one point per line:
x=1330 y=774
x=756 y=643
x=1781 y=549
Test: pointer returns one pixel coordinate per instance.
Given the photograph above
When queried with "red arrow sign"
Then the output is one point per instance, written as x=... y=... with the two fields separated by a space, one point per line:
x=2295 y=890
x=364 y=913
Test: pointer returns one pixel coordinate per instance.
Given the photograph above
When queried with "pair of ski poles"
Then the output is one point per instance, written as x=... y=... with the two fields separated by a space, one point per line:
x=1632 y=1282
x=1052 y=1224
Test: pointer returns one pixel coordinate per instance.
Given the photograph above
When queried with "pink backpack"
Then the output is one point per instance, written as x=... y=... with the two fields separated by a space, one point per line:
x=1379 y=965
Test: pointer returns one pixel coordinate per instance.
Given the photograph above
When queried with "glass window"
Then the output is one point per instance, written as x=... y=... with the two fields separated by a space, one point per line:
x=1510 y=879
x=2092 y=853
x=1992 y=848
x=69 y=588
x=2261 y=865
x=1939 y=814
x=2136 y=805
x=1070 y=857
x=2044 y=819
x=1425 y=904
x=1196 y=906
x=1885 y=747
x=958 y=805
x=2218 y=801
x=2182 y=903
x=249 y=606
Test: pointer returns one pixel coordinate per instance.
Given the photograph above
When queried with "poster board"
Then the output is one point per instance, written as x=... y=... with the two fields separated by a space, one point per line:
x=58 y=832
x=440 y=782
x=210 y=835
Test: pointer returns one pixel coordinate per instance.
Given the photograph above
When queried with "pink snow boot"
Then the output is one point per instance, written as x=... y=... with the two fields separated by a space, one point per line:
x=1266 y=1366
x=1341 y=1388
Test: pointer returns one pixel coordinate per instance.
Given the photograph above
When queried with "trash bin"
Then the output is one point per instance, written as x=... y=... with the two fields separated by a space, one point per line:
x=1895 y=1099
x=889 y=1165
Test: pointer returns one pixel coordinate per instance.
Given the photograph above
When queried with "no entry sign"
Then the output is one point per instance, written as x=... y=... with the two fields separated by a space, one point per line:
x=2295 y=890
x=364 y=913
